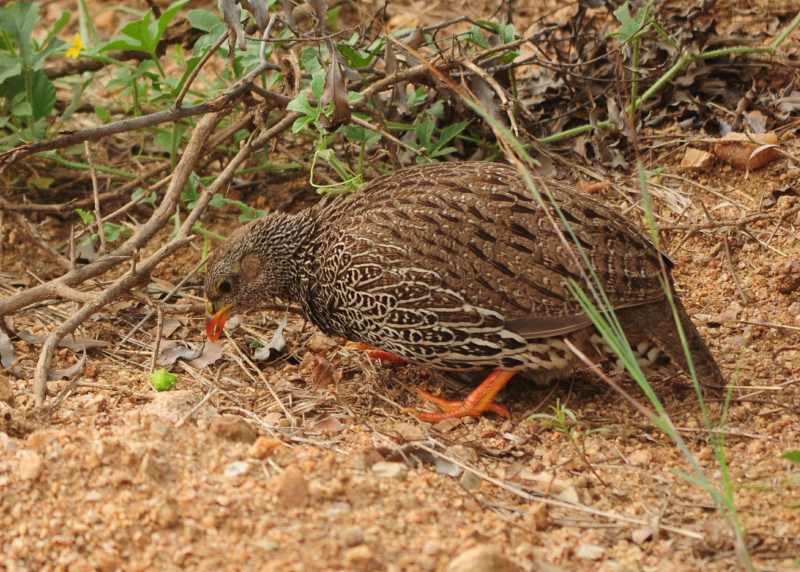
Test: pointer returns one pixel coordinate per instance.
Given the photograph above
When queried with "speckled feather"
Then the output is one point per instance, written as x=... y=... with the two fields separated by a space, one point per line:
x=457 y=266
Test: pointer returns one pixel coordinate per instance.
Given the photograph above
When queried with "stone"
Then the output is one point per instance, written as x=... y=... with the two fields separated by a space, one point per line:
x=351 y=536
x=641 y=458
x=538 y=516
x=29 y=465
x=470 y=481
x=588 y=551
x=167 y=515
x=359 y=556
x=236 y=469
x=172 y=406
x=462 y=453
x=6 y=393
x=263 y=448
x=292 y=488
x=482 y=558
x=409 y=431
x=389 y=470
x=233 y=428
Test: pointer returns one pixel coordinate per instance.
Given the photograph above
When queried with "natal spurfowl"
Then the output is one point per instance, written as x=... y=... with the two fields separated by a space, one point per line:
x=456 y=266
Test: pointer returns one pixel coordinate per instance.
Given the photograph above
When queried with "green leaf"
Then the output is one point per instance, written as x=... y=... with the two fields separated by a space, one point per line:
x=86 y=23
x=424 y=131
x=18 y=20
x=204 y=20
x=9 y=67
x=792 y=456
x=42 y=98
x=630 y=26
x=318 y=83
x=162 y=380
x=450 y=132
x=300 y=104
x=475 y=36
x=113 y=231
x=87 y=217
x=44 y=95
x=355 y=58
x=167 y=16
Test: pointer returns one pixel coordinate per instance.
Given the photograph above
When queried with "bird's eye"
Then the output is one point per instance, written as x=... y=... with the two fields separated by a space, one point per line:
x=224 y=286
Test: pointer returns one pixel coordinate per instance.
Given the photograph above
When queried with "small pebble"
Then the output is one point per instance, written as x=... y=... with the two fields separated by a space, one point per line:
x=539 y=517
x=6 y=393
x=292 y=488
x=482 y=558
x=387 y=470
x=263 y=447
x=236 y=469
x=409 y=431
x=29 y=465
x=358 y=555
x=470 y=481
x=167 y=515
x=351 y=536
x=641 y=458
x=233 y=428
x=589 y=552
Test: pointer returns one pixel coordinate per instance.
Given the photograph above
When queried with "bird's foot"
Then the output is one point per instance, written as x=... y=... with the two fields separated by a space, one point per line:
x=376 y=354
x=480 y=401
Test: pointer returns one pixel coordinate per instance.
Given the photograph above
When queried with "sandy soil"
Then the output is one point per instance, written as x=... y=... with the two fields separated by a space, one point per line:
x=310 y=463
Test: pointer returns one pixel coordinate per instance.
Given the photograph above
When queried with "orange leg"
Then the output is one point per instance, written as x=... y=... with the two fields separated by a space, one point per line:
x=380 y=355
x=479 y=401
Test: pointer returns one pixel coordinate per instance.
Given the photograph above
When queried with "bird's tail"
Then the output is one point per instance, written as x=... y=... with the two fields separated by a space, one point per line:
x=658 y=321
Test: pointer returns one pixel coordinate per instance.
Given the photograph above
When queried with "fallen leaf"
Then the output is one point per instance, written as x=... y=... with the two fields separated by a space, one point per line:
x=211 y=353
x=71 y=342
x=170 y=326
x=593 y=187
x=275 y=346
x=171 y=351
x=328 y=426
x=749 y=152
x=335 y=93
x=696 y=159
x=67 y=373
x=7 y=356
x=320 y=371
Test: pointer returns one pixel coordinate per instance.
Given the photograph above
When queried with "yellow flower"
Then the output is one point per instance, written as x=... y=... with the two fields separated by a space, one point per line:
x=75 y=47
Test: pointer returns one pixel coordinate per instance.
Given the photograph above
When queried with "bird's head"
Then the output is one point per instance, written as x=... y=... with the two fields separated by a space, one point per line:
x=252 y=268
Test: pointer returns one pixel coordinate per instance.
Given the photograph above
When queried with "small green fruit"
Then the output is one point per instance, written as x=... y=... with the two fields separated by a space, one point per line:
x=162 y=380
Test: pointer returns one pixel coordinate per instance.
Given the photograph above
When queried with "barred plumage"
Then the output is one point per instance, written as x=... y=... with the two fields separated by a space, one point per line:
x=456 y=266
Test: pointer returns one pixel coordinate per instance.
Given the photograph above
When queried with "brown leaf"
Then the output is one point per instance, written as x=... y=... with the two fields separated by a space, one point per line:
x=320 y=371
x=258 y=8
x=7 y=356
x=335 y=92
x=73 y=343
x=232 y=14
x=275 y=346
x=695 y=159
x=171 y=351
x=210 y=354
x=749 y=152
x=67 y=373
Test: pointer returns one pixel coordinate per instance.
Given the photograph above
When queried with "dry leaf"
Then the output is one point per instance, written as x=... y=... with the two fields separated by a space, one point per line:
x=210 y=354
x=232 y=14
x=73 y=343
x=258 y=8
x=67 y=373
x=694 y=159
x=171 y=351
x=7 y=356
x=275 y=346
x=320 y=371
x=335 y=92
x=593 y=187
x=748 y=152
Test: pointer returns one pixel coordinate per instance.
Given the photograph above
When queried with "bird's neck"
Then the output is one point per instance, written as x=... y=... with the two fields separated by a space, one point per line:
x=289 y=238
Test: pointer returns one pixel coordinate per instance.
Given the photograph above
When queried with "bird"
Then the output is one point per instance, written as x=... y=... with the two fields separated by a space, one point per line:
x=459 y=266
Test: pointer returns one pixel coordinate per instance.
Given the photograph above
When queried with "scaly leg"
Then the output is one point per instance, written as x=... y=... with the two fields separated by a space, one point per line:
x=478 y=402
x=380 y=355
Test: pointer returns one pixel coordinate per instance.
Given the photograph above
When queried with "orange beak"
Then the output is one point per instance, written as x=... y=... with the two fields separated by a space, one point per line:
x=216 y=323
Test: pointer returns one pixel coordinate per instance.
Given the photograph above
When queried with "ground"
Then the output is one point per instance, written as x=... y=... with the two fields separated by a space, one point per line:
x=311 y=463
